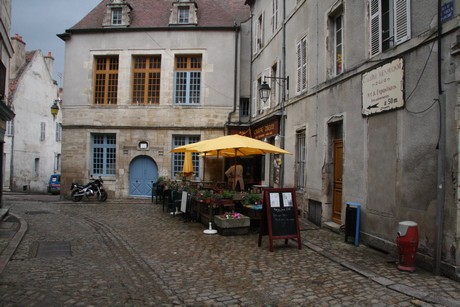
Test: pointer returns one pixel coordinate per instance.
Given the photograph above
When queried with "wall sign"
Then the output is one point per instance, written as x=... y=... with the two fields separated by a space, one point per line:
x=280 y=218
x=383 y=88
x=143 y=145
x=447 y=11
x=266 y=130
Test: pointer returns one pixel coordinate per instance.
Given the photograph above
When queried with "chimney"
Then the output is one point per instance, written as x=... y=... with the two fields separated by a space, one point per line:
x=19 y=57
x=49 y=60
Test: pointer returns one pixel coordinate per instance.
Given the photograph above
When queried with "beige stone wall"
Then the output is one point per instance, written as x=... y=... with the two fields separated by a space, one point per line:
x=76 y=155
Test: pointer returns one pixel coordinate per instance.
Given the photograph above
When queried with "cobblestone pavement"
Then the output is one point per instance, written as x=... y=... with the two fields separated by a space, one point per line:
x=130 y=253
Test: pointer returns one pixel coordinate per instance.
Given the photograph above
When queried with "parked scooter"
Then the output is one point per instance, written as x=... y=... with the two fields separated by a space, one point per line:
x=93 y=188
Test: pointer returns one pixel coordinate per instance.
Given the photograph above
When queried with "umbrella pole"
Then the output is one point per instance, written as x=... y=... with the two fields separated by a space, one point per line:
x=234 y=174
x=204 y=166
x=210 y=230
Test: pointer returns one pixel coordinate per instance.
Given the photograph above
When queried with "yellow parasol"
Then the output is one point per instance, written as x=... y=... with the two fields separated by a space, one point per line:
x=234 y=145
x=187 y=168
x=231 y=146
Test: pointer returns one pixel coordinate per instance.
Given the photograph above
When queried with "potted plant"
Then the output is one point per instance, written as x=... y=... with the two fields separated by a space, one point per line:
x=252 y=199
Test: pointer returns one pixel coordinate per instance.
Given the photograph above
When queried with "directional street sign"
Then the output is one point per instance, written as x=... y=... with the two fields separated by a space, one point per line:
x=383 y=88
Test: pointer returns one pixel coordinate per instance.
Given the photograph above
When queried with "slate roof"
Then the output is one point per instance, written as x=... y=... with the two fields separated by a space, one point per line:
x=156 y=13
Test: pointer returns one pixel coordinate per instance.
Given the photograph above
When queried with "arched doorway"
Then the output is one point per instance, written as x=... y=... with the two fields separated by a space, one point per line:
x=143 y=173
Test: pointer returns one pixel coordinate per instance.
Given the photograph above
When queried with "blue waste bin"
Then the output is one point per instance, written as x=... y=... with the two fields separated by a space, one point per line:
x=352 y=218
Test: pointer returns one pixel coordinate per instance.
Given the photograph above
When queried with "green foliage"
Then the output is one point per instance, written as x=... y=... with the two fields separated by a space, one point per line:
x=252 y=198
x=228 y=194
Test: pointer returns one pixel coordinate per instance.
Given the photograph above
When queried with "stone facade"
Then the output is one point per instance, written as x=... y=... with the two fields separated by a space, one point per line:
x=6 y=111
x=33 y=140
x=145 y=131
x=386 y=160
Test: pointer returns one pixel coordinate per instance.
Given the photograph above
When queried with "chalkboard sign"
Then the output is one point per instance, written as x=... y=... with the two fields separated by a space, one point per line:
x=279 y=216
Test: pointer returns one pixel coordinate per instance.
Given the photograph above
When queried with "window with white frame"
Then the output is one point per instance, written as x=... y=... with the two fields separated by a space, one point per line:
x=9 y=128
x=259 y=33
x=274 y=15
x=187 y=79
x=37 y=166
x=183 y=14
x=178 y=157
x=301 y=65
x=389 y=24
x=42 y=131
x=255 y=97
x=338 y=44
x=300 y=159
x=58 y=132
x=117 y=16
x=104 y=154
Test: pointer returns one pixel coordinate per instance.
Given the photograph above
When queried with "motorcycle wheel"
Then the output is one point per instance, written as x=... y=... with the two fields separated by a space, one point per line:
x=102 y=196
x=75 y=197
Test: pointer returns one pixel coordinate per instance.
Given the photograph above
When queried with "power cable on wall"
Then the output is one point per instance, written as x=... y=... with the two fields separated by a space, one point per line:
x=417 y=84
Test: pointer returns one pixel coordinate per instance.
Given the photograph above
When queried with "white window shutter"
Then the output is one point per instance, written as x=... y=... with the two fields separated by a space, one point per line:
x=256 y=36
x=402 y=21
x=304 y=63
x=299 y=66
x=375 y=27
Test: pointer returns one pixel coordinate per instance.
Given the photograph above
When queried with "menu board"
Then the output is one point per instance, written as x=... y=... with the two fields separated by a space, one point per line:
x=279 y=216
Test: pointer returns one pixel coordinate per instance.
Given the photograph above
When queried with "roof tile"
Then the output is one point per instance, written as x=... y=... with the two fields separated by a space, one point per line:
x=155 y=13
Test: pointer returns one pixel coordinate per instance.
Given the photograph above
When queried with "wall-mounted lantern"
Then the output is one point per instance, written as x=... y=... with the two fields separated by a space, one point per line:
x=55 y=108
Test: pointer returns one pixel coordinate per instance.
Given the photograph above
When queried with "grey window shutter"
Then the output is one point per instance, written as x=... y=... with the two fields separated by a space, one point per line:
x=375 y=27
x=402 y=21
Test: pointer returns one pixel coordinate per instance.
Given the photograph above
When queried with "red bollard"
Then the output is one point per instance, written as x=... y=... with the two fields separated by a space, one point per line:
x=407 y=241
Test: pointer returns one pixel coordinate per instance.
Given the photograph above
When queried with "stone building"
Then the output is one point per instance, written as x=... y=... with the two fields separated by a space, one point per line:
x=33 y=139
x=6 y=112
x=142 y=77
x=357 y=96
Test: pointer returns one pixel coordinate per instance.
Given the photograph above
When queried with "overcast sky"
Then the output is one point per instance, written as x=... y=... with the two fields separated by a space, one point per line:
x=38 y=22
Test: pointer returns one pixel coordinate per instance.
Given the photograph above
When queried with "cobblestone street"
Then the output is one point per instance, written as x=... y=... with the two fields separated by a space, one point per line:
x=132 y=253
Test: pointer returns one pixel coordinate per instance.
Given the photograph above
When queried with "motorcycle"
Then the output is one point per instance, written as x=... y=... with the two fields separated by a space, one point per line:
x=93 y=188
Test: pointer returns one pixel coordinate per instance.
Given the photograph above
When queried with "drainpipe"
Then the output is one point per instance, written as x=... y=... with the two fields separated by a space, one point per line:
x=440 y=195
x=285 y=84
x=235 y=78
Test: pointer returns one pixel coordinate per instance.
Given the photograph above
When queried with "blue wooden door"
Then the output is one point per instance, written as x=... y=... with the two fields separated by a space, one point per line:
x=143 y=173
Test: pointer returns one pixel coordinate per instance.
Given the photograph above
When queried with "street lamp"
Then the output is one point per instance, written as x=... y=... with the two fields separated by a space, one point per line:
x=265 y=90
x=264 y=94
x=55 y=108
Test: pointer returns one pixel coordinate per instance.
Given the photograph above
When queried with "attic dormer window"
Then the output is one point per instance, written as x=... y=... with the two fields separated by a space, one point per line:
x=183 y=14
x=117 y=14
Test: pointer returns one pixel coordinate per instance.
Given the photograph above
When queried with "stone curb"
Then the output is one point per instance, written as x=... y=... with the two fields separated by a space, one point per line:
x=9 y=250
x=388 y=283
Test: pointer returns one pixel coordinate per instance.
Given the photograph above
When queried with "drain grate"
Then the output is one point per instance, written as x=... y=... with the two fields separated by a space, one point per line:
x=37 y=212
x=53 y=249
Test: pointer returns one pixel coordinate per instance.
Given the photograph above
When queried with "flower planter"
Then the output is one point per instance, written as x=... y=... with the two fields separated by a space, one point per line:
x=232 y=227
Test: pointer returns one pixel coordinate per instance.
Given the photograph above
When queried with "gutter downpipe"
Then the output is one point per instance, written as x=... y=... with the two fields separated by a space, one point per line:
x=440 y=195
x=283 y=121
x=235 y=78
